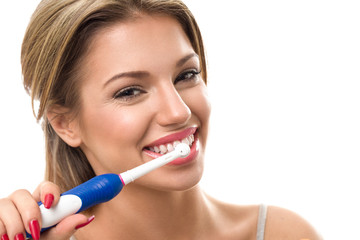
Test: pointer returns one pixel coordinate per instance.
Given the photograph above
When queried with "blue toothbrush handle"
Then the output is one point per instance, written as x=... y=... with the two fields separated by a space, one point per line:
x=97 y=190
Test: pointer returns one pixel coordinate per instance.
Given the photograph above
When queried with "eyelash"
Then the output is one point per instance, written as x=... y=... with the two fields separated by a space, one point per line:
x=184 y=75
x=128 y=93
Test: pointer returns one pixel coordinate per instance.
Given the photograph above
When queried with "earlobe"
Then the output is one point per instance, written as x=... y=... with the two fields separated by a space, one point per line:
x=64 y=125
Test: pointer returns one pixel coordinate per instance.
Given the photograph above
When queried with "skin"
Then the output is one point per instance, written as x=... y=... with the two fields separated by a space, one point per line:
x=113 y=129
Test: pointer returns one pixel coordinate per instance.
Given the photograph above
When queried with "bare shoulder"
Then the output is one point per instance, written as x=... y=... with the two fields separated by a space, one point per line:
x=285 y=224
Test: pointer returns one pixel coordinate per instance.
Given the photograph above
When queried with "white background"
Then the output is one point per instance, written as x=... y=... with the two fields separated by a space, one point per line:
x=284 y=85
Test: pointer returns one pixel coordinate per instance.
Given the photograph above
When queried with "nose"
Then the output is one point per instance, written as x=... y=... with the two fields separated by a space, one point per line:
x=172 y=110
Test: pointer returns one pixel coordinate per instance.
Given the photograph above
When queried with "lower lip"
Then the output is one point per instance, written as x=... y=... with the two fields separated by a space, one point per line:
x=194 y=150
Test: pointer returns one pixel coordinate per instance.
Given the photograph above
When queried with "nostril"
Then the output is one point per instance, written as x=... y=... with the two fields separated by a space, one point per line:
x=173 y=110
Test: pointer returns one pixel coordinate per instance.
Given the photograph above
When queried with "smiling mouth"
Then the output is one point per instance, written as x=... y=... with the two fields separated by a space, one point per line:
x=168 y=147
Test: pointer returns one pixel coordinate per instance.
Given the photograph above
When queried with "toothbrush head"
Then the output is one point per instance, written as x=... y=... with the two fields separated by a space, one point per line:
x=183 y=150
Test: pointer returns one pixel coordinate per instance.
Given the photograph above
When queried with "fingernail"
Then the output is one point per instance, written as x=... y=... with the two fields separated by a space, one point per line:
x=84 y=224
x=35 y=229
x=5 y=237
x=19 y=236
x=49 y=198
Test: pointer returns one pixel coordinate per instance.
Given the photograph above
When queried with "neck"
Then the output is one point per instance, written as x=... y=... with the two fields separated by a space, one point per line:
x=139 y=213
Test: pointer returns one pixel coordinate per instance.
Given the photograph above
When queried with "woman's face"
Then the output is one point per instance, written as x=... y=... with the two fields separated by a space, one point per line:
x=141 y=92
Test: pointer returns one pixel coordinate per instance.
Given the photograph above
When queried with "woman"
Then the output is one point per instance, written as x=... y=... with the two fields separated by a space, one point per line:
x=119 y=83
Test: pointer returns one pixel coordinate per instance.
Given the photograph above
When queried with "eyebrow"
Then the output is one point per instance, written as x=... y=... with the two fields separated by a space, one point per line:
x=131 y=74
x=183 y=60
x=143 y=74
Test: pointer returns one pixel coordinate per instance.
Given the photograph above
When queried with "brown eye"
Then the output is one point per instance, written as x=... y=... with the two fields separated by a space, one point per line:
x=128 y=93
x=187 y=75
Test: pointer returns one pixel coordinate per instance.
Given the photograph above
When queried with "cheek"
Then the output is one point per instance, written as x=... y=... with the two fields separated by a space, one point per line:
x=198 y=102
x=111 y=135
x=205 y=109
x=109 y=124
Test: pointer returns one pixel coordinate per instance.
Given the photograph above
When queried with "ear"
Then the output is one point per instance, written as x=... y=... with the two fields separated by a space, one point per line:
x=64 y=125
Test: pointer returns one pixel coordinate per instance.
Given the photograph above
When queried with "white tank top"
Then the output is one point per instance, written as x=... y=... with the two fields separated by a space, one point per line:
x=260 y=232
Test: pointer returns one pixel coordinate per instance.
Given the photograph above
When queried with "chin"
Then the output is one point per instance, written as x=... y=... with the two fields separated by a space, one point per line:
x=170 y=181
x=184 y=184
x=184 y=180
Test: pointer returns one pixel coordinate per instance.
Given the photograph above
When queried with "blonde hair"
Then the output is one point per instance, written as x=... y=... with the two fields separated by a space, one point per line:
x=55 y=41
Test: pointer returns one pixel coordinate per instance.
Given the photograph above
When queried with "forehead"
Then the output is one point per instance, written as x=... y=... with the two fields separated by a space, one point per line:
x=145 y=43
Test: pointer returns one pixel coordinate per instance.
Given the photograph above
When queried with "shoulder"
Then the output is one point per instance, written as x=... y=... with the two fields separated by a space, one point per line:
x=232 y=221
x=285 y=224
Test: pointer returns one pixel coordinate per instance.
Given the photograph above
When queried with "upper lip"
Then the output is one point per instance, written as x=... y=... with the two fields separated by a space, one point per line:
x=173 y=137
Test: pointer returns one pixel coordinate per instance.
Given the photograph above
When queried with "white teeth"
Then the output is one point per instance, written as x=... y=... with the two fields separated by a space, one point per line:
x=176 y=143
x=169 y=147
x=185 y=140
x=162 y=149
x=156 y=149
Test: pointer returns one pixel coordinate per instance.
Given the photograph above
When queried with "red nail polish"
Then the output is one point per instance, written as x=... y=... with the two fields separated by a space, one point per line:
x=35 y=229
x=5 y=237
x=19 y=236
x=84 y=224
x=49 y=198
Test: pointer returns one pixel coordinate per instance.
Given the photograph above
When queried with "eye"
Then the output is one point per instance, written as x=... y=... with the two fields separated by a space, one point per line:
x=191 y=74
x=128 y=93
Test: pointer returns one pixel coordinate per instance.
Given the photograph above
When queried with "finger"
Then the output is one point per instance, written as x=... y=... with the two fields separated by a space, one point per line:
x=10 y=218
x=48 y=193
x=29 y=211
x=67 y=227
x=36 y=193
x=3 y=234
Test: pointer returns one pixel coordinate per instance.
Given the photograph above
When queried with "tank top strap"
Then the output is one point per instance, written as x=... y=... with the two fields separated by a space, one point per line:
x=261 y=222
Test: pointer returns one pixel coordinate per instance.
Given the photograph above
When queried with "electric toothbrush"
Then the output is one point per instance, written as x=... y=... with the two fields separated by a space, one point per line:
x=102 y=188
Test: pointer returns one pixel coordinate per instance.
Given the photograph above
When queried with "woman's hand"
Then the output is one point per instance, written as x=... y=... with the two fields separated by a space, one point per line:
x=20 y=212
